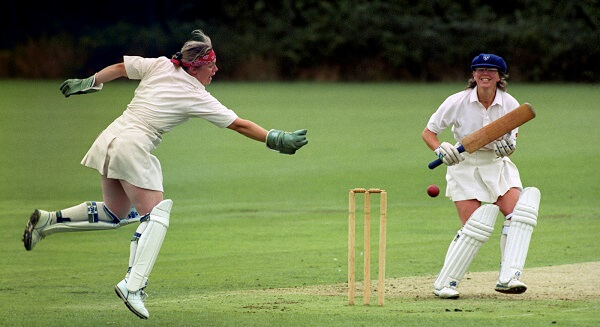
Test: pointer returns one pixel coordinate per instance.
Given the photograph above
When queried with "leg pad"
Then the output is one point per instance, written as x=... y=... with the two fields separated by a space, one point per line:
x=149 y=245
x=465 y=246
x=524 y=219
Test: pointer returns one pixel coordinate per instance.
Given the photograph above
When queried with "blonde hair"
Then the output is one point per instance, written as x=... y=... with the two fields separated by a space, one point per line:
x=200 y=45
x=502 y=84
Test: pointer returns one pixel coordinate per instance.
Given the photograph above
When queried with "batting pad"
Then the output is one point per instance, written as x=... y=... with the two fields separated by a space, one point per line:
x=465 y=246
x=88 y=216
x=79 y=226
x=149 y=245
x=523 y=220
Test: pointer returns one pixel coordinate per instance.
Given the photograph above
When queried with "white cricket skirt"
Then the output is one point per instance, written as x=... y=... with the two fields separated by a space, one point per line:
x=481 y=176
x=124 y=151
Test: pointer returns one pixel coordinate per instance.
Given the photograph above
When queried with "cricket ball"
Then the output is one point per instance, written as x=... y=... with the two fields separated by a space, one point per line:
x=433 y=190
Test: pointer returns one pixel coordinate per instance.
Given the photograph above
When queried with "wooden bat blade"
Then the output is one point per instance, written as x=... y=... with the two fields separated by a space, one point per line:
x=498 y=128
x=493 y=131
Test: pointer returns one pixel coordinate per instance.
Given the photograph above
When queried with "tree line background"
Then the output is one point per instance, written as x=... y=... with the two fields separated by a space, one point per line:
x=345 y=40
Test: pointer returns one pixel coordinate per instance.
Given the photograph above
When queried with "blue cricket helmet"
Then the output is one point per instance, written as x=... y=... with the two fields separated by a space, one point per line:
x=489 y=60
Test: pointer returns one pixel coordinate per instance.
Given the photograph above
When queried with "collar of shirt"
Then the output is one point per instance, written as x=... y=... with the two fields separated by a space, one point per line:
x=196 y=83
x=497 y=99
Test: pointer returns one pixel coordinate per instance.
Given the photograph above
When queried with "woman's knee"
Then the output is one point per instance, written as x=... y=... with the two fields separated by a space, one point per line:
x=115 y=198
x=507 y=202
x=144 y=200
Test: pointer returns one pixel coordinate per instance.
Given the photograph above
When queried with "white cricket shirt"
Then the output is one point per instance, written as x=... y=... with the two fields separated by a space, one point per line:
x=466 y=114
x=482 y=175
x=166 y=97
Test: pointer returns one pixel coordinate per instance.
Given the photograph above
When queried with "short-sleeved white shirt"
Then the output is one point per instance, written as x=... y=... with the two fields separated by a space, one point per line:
x=166 y=97
x=465 y=114
x=482 y=175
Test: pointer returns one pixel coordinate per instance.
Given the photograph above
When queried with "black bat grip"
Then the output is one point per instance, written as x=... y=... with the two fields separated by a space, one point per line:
x=438 y=162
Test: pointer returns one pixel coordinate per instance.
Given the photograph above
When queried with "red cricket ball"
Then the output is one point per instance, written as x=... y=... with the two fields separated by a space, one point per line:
x=433 y=190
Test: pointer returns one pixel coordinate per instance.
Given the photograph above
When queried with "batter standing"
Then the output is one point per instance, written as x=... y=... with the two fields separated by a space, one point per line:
x=485 y=176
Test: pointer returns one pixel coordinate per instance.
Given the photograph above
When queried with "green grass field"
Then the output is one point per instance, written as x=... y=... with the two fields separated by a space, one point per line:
x=247 y=221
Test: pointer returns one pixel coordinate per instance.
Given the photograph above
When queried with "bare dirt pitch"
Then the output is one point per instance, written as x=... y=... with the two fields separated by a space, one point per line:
x=565 y=282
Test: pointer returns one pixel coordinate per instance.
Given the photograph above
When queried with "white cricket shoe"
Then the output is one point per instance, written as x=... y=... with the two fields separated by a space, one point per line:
x=133 y=301
x=514 y=286
x=38 y=220
x=446 y=293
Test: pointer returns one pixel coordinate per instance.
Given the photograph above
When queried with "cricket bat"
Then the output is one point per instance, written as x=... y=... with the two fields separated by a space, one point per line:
x=493 y=130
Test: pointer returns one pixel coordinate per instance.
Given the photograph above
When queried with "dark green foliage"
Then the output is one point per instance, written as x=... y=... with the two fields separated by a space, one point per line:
x=333 y=40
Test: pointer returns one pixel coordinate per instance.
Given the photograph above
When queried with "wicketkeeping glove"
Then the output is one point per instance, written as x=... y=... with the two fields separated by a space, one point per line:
x=79 y=86
x=505 y=147
x=448 y=154
x=286 y=142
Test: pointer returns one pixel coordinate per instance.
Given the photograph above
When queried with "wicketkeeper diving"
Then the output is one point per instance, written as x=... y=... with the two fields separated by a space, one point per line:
x=170 y=92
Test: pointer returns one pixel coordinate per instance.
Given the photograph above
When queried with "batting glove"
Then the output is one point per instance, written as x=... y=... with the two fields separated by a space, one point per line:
x=286 y=142
x=505 y=147
x=448 y=154
x=79 y=86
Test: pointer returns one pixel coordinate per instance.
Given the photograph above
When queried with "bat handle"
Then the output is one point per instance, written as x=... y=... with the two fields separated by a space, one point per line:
x=438 y=162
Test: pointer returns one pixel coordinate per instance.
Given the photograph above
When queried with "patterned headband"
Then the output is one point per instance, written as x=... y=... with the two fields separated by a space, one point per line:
x=210 y=57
